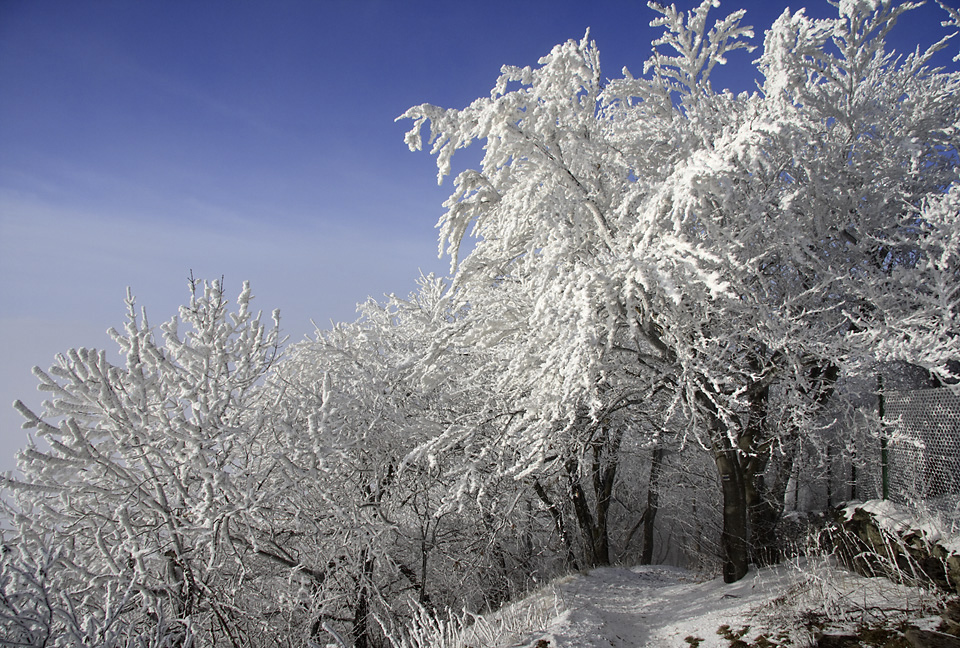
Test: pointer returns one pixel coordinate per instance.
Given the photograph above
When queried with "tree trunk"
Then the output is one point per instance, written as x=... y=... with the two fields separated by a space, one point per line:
x=361 y=609
x=594 y=537
x=756 y=452
x=764 y=518
x=604 y=445
x=558 y=523
x=734 y=547
x=767 y=511
x=606 y=453
x=755 y=448
x=765 y=505
x=733 y=537
x=653 y=503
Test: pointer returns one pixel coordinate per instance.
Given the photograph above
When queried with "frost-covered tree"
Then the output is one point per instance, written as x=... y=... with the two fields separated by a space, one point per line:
x=206 y=491
x=143 y=470
x=382 y=523
x=347 y=417
x=36 y=610
x=738 y=252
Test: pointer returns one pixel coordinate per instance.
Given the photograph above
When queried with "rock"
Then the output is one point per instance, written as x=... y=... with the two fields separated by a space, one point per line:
x=953 y=571
x=951 y=611
x=863 y=546
x=951 y=619
x=927 y=639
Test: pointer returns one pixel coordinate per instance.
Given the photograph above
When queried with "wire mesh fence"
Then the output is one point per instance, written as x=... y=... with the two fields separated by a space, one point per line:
x=922 y=433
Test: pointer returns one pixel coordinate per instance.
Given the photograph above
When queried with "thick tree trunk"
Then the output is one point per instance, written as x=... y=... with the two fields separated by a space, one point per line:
x=766 y=505
x=764 y=519
x=734 y=545
x=653 y=504
x=755 y=451
x=733 y=537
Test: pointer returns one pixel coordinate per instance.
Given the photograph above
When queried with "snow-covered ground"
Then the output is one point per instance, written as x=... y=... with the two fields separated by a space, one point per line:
x=666 y=607
x=792 y=604
x=657 y=606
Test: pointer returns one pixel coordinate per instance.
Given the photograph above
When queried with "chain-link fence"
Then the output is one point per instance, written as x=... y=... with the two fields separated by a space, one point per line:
x=922 y=434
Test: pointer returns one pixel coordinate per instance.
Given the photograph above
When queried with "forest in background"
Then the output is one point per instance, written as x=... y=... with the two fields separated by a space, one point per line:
x=667 y=313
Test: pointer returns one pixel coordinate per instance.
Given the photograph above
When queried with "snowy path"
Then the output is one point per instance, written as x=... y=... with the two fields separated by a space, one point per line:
x=659 y=607
x=655 y=606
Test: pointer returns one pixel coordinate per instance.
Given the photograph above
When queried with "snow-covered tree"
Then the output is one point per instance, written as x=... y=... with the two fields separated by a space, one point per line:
x=141 y=470
x=348 y=412
x=717 y=247
x=206 y=490
x=382 y=523
x=36 y=609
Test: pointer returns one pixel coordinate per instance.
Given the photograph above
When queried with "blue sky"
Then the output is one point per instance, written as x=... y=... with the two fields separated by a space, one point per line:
x=140 y=140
